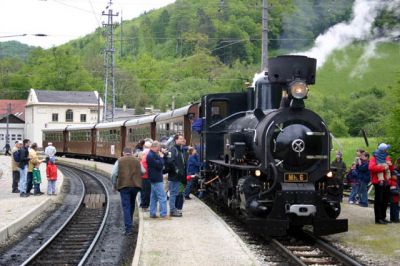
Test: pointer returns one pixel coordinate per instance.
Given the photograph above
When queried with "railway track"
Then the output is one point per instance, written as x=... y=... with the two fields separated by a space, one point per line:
x=306 y=249
x=73 y=242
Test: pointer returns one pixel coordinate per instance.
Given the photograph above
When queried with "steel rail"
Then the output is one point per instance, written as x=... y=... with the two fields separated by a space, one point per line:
x=99 y=231
x=47 y=243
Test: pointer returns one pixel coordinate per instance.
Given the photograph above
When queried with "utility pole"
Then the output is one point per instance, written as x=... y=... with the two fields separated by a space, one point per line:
x=264 y=45
x=109 y=65
x=120 y=39
x=8 y=123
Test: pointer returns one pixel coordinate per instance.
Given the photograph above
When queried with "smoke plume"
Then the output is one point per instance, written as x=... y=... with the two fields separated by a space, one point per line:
x=344 y=33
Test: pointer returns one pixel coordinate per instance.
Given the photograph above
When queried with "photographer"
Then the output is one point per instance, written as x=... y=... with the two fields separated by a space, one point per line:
x=176 y=168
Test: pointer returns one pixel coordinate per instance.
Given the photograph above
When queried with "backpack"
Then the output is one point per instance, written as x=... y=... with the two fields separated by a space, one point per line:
x=17 y=155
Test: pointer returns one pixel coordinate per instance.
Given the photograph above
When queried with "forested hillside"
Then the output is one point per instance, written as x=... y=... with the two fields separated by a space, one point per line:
x=193 y=47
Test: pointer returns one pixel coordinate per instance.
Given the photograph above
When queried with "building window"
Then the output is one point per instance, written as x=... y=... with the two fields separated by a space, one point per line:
x=19 y=137
x=13 y=137
x=69 y=116
x=83 y=117
x=1 y=136
x=54 y=117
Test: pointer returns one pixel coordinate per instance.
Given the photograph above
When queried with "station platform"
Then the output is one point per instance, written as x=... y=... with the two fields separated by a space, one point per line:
x=377 y=242
x=17 y=212
x=200 y=237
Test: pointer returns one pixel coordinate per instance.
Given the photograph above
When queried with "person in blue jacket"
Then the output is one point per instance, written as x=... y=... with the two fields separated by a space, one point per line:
x=364 y=178
x=193 y=168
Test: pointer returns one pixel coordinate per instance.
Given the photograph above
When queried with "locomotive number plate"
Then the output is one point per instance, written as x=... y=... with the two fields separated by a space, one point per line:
x=295 y=177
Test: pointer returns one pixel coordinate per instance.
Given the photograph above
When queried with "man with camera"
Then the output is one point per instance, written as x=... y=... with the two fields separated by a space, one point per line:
x=176 y=168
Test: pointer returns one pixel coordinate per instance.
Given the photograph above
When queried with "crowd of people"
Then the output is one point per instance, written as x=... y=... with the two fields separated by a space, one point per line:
x=25 y=164
x=384 y=176
x=161 y=171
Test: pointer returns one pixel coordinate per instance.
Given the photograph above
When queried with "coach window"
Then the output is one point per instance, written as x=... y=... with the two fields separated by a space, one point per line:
x=54 y=117
x=69 y=116
x=83 y=117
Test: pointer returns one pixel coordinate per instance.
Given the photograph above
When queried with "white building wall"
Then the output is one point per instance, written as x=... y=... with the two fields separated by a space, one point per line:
x=39 y=117
x=15 y=131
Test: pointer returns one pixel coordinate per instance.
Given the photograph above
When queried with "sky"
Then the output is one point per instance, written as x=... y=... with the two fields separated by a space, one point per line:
x=63 y=20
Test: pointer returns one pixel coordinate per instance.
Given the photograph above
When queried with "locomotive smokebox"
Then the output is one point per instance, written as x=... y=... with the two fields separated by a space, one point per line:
x=284 y=69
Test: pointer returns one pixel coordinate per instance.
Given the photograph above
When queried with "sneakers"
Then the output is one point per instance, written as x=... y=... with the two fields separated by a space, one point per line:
x=153 y=216
x=176 y=214
x=15 y=191
x=167 y=217
x=188 y=197
x=24 y=195
x=38 y=194
x=145 y=209
x=351 y=202
x=128 y=233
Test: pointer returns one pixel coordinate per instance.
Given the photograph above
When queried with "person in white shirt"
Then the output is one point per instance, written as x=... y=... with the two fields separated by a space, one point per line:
x=50 y=151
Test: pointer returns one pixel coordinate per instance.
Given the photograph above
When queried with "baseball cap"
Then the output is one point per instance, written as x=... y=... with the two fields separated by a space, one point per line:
x=383 y=147
x=19 y=142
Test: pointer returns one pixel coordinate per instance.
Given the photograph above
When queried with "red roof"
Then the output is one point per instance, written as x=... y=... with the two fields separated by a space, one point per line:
x=17 y=108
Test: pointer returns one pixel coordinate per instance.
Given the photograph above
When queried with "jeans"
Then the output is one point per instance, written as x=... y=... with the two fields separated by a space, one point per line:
x=145 y=193
x=363 y=192
x=29 y=184
x=394 y=211
x=15 y=182
x=173 y=193
x=51 y=187
x=36 y=188
x=188 y=187
x=158 y=195
x=179 y=201
x=128 y=197
x=23 y=172
x=354 y=192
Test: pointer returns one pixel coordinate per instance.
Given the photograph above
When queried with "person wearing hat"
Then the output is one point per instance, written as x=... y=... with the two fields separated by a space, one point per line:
x=50 y=151
x=380 y=166
x=339 y=165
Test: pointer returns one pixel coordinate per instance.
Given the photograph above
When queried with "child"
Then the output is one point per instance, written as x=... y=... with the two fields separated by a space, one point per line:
x=394 y=199
x=51 y=172
x=36 y=179
x=352 y=178
x=193 y=168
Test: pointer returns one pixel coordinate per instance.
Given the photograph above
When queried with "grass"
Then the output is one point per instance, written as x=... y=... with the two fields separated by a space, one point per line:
x=381 y=71
x=350 y=145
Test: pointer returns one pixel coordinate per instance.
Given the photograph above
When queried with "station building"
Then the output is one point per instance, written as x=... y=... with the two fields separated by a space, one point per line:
x=58 y=109
x=15 y=111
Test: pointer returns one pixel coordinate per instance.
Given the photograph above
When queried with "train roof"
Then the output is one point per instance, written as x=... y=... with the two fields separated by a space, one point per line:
x=140 y=121
x=111 y=124
x=175 y=113
x=80 y=127
x=54 y=129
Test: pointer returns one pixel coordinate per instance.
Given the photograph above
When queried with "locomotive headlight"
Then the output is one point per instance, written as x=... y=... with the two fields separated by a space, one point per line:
x=257 y=172
x=329 y=174
x=298 y=89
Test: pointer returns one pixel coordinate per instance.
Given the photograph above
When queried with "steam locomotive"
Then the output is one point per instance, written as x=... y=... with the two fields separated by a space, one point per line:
x=268 y=156
x=265 y=155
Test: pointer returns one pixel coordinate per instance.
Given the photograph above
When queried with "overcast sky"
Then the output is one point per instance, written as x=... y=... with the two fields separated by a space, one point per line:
x=63 y=20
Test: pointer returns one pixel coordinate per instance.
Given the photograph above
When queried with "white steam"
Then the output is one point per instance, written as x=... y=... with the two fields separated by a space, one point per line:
x=344 y=33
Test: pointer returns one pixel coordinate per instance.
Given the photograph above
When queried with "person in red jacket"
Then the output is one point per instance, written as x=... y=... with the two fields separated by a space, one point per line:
x=394 y=199
x=51 y=173
x=377 y=168
x=146 y=185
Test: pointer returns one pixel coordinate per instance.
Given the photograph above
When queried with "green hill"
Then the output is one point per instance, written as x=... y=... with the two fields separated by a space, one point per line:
x=353 y=94
x=14 y=49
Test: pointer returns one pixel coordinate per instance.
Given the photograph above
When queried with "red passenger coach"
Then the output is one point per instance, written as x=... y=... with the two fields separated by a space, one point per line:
x=177 y=121
x=57 y=137
x=138 y=129
x=110 y=139
x=80 y=140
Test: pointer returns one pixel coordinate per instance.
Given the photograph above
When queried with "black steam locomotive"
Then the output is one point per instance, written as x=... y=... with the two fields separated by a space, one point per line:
x=267 y=156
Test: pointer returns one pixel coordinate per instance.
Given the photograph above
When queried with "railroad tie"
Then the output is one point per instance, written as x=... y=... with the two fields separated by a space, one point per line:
x=94 y=201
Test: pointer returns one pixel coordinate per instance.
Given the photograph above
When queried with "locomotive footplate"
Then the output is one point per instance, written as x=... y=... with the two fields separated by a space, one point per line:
x=329 y=226
x=270 y=227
